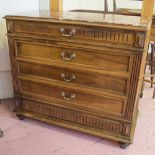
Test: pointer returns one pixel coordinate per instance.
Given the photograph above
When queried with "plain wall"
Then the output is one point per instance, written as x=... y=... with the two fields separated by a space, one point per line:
x=9 y=7
x=67 y=4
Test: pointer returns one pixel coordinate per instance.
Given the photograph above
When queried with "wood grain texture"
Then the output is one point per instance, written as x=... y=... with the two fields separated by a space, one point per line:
x=89 y=79
x=147 y=10
x=100 y=60
x=81 y=76
x=56 y=5
x=81 y=100
x=127 y=12
x=79 y=118
x=69 y=124
x=98 y=35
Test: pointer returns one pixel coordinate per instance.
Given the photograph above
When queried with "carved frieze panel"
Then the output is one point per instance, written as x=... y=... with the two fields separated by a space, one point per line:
x=140 y=39
x=102 y=35
x=73 y=116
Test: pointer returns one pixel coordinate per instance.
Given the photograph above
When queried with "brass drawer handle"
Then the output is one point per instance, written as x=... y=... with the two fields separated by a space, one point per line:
x=67 y=56
x=68 y=97
x=71 y=33
x=68 y=78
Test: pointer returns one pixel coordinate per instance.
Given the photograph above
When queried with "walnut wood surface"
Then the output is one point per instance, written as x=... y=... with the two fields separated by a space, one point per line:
x=89 y=79
x=128 y=12
x=82 y=100
x=95 y=59
x=147 y=10
x=56 y=5
x=106 y=61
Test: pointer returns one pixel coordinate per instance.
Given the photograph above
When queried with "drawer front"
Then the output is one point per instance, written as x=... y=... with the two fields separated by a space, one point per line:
x=72 y=56
x=74 y=33
x=97 y=81
x=72 y=98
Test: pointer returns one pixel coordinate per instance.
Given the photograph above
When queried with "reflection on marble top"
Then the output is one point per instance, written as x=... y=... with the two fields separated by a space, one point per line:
x=88 y=17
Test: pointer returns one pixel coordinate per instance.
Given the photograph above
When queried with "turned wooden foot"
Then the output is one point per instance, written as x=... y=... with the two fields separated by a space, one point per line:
x=141 y=95
x=154 y=93
x=20 y=117
x=1 y=133
x=123 y=145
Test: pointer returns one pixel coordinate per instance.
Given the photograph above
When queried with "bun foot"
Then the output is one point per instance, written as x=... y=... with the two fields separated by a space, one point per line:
x=124 y=145
x=141 y=95
x=20 y=117
x=1 y=133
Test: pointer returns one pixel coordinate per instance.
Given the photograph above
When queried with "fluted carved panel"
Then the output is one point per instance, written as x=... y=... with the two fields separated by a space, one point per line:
x=133 y=85
x=14 y=66
x=129 y=38
x=73 y=116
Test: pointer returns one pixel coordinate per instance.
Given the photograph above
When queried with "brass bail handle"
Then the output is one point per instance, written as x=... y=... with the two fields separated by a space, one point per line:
x=71 y=33
x=68 y=97
x=68 y=57
x=69 y=78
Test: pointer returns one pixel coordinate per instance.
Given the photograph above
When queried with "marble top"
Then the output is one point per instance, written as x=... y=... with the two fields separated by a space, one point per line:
x=83 y=17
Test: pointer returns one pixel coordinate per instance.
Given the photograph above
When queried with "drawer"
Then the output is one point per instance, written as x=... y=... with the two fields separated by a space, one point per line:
x=74 y=33
x=73 y=56
x=89 y=79
x=72 y=98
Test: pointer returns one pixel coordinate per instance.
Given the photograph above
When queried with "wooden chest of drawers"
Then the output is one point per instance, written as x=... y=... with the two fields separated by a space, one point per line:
x=78 y=70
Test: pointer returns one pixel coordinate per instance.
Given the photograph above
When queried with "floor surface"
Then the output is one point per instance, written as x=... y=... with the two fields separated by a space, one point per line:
x=30 y=137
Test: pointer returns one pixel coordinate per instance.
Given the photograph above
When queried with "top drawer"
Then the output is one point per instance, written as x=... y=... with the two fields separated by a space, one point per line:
x=74 y=33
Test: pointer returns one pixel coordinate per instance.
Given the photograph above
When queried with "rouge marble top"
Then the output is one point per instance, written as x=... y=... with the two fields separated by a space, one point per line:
x=86 y=18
